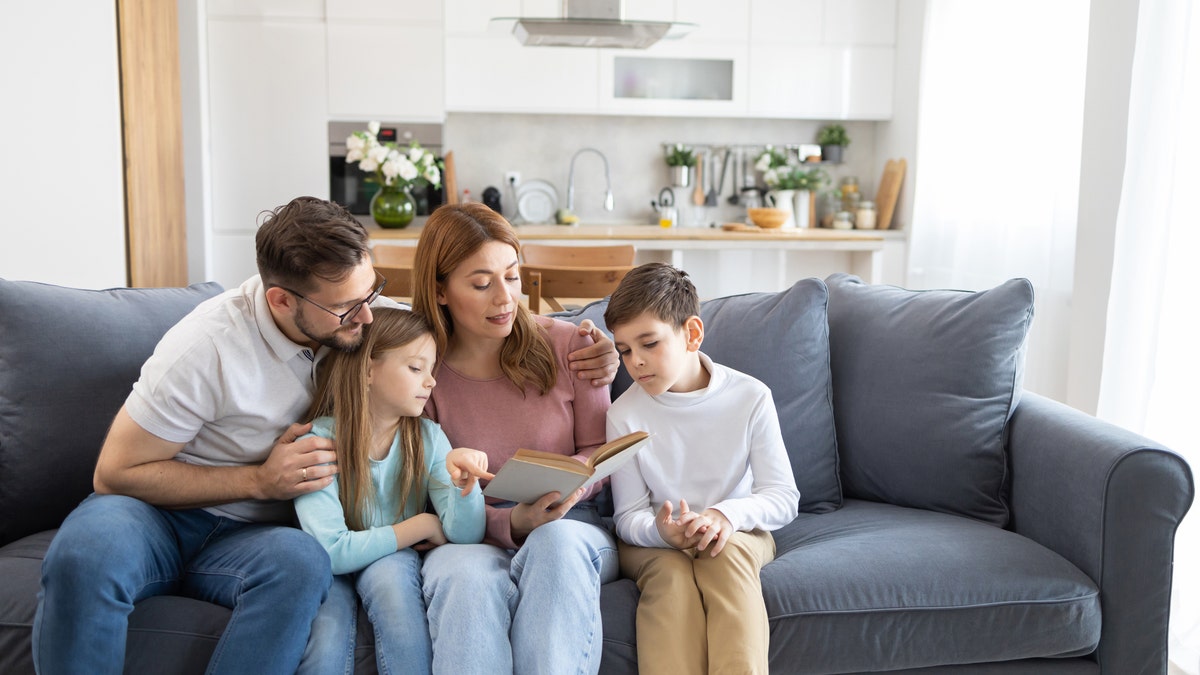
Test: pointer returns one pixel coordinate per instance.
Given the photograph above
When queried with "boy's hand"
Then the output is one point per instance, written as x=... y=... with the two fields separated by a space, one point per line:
x=597 y=362
x=718 y=532
x=683 y=532
x=466 y=467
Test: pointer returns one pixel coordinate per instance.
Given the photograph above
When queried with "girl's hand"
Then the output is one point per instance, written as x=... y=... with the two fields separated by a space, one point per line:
x=525 y=518
x=466 y=467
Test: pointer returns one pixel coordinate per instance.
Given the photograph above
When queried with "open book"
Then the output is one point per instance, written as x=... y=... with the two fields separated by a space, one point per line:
x=530 y=474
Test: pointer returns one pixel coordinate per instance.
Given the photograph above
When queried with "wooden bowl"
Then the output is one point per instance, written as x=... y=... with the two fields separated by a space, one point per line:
x=767 y=218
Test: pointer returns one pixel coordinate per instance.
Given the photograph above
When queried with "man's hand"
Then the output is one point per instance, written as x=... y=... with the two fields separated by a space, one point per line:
x=466 y=467
x=597 y=362
x=296 y=467
x=525 y=518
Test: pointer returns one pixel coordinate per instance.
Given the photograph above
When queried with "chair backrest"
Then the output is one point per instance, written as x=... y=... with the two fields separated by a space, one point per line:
x=550 y=282
x=395 y=263
x=578 y=256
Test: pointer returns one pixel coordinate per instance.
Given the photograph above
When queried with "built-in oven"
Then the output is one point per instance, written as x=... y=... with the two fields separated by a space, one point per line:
x=347 y=183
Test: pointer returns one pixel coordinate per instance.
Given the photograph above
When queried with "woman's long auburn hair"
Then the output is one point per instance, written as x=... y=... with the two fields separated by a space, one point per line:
x=451 y=235
x=343 y=393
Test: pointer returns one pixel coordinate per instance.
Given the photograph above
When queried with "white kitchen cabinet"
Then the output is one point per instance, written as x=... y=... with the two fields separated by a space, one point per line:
x=425 y=12
x=675 y=78
x=473 y=17
x=860 y=22
x=267 y=128
x=822 y=59
x=386 y=69
x=497 y=74
x=821 y=82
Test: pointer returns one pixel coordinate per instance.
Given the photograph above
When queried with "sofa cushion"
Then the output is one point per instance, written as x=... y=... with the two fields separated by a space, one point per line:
x=924 y=383
x=68 y=359
x=782 y=339
x=874 y=584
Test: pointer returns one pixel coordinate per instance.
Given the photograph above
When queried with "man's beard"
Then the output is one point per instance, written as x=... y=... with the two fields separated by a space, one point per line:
x=338 y=339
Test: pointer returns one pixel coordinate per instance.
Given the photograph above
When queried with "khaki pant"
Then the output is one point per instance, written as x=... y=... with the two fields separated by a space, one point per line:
x=700 y=614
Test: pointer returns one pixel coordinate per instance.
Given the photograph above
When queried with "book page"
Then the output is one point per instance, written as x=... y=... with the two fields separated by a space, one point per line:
x=615 y=446
x=615 y=461
x=526 y=482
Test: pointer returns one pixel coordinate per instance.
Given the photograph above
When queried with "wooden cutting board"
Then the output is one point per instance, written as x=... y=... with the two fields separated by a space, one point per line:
x=889 y=190
x=449 y=179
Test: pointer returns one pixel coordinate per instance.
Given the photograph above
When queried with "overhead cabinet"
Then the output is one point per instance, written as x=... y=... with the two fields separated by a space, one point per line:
x=814 y=59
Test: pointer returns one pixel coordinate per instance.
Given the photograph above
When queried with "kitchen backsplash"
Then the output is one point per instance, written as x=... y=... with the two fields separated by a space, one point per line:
x=540 y=147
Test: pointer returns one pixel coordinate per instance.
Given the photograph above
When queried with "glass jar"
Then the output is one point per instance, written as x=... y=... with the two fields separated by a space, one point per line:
x=864 y=217
x=850 y=194
x=843 y=220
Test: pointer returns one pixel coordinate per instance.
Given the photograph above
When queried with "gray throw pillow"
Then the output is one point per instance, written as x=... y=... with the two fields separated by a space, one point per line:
x=924 y=383
x=68 y=359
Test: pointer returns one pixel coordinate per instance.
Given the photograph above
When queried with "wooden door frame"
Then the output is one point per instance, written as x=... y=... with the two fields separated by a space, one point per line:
x=152 y=138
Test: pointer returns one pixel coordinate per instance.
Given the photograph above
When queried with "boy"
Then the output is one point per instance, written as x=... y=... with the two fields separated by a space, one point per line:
x=716 y=446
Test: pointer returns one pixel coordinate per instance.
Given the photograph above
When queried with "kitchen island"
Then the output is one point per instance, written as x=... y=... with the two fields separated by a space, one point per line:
x=720 y=262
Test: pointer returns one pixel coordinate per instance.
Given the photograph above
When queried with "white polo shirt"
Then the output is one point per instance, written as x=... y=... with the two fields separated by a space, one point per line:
x=227 y=382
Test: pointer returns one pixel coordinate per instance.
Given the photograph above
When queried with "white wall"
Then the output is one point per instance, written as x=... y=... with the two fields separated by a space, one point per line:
x=61 y=176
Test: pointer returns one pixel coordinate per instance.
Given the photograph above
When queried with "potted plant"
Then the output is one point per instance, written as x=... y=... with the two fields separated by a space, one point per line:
x=833 y=139
x=396 y=170
x=680 y=158
x=792 y=190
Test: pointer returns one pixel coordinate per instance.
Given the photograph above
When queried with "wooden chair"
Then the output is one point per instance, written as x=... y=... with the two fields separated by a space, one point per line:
x=395 y=263
x=550 y=282
x=576 y=272
x=578 y=256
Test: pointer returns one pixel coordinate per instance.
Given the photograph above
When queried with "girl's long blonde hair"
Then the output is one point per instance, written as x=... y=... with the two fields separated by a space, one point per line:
x=453 y=234
x=343 y=394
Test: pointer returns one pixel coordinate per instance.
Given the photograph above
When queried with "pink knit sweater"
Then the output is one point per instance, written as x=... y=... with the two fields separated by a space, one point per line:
x=497 y=418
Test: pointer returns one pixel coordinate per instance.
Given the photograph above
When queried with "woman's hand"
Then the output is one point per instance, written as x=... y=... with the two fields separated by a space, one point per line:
x=597 y=362
x=525 y=518
x=466 y=466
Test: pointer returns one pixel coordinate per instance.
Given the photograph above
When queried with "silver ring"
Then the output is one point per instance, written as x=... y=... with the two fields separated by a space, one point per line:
x=304 y=473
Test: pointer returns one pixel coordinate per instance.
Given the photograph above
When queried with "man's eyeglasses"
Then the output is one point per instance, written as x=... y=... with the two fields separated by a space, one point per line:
x=349 y=314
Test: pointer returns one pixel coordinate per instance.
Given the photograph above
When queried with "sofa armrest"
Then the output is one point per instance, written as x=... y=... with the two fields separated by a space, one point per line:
x=1109 y=501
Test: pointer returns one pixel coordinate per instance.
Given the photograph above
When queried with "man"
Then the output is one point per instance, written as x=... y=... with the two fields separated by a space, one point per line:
x=194 y=482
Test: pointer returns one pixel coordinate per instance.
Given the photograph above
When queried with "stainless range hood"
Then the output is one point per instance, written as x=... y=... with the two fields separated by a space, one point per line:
x=593 y=23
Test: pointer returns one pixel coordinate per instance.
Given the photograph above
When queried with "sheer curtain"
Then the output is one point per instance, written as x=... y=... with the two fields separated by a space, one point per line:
x=998 y=147
x=1152 y=351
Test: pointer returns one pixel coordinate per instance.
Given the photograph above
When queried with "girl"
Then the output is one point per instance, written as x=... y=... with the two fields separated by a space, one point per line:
x=527 y=600
x=371 y=519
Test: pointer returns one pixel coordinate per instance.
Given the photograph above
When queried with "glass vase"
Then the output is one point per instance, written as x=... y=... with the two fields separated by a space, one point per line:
x=393 y=207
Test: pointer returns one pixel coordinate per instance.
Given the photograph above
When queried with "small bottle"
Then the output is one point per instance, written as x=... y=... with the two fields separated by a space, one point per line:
x=667 y=216
x=466 y=196
x=864 y=217
x=850 y=195
x=843 y=220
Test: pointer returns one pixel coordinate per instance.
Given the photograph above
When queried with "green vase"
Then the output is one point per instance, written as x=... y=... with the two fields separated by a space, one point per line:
x=393 y=207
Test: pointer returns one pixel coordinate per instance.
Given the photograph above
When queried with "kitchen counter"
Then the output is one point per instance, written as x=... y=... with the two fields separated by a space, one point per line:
x=669 y=245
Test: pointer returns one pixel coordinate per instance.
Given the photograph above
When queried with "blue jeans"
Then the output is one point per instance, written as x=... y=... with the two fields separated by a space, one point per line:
x=534 y=610
x=390 y=589
x=113 y=551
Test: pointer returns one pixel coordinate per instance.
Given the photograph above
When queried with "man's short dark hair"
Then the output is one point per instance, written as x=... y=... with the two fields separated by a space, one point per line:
x=307 y=238
x=658 y=288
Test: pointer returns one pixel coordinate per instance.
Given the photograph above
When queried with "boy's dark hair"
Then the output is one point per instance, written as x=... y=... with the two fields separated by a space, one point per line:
x=306 y=238
x=658 y=288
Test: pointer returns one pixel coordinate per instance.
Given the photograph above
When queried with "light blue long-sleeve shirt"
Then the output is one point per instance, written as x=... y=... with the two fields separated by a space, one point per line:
x=321 y=513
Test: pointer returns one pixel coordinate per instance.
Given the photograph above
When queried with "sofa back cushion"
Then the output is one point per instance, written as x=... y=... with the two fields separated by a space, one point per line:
x=68 y=359
x=924 y=383
x=782 y=339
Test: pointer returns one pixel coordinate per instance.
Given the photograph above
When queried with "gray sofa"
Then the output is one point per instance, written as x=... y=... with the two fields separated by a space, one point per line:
x=949 y=521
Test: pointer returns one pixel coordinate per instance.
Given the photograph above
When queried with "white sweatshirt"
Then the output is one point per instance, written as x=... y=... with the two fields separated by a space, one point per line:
x=719 y=447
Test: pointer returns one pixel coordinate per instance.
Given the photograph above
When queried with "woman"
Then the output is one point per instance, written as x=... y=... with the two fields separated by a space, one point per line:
x=527 y=599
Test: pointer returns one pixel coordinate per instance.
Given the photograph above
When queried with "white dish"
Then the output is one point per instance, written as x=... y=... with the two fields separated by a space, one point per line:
x=537 y=201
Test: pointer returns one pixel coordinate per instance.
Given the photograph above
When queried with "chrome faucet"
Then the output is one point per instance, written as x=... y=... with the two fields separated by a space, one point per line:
x=608 y=193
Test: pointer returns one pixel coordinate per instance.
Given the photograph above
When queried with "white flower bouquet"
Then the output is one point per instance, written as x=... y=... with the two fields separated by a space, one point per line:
x=390 y=166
